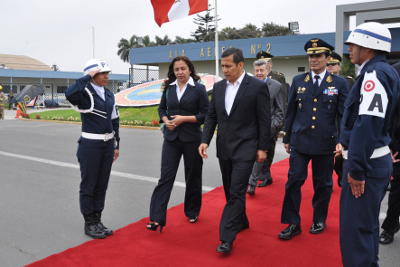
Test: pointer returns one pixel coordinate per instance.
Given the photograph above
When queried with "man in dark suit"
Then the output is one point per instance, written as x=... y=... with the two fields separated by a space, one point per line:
x=316 y=104
x=391 y=225
x=241 y=109
x=261 y=170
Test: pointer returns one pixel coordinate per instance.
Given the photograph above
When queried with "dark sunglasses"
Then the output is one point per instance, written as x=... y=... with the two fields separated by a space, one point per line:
x=331 y=64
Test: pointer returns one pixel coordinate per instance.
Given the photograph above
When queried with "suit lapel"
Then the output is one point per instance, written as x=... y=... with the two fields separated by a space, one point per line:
x=222 y=94
x=242 y=89
x=172 y=96
x=189 y=92
x=269 y=84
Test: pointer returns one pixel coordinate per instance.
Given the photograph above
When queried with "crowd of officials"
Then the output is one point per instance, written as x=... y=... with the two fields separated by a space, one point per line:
x=323 y=115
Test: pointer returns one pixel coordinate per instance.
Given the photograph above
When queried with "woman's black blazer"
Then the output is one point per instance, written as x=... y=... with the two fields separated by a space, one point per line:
x=194 y=101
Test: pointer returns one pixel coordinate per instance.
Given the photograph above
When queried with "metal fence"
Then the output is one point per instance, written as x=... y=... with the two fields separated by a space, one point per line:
x=138 y=76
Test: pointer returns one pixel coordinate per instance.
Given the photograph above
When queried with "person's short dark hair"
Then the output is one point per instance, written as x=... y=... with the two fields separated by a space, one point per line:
x=236 y=52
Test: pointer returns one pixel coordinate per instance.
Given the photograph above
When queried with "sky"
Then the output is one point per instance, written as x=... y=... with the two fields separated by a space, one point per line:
x=60 y=32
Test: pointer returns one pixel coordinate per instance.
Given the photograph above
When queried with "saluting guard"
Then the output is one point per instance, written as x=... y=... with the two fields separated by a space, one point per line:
x=99 y=143
x=364 y=139
x=316 y=104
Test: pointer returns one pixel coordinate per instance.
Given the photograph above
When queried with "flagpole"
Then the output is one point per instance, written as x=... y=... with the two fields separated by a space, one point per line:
x=216 y=43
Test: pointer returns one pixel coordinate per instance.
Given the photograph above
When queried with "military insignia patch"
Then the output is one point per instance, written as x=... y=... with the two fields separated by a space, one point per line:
x=329 y=79
x=307 y=78
x=331 y=91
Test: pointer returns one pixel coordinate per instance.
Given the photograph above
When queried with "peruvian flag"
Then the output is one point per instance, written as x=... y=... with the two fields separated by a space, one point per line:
x=169 y=10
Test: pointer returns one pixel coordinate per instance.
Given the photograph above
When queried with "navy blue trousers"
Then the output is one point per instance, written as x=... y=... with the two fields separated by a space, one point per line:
x=172 y=152
x=95 y=158
x=322 y=169
x=359 y=217
x=235 y=177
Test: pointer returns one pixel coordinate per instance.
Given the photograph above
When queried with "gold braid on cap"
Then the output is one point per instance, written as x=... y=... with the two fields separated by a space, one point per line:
x=314 y=50
x=334 y=61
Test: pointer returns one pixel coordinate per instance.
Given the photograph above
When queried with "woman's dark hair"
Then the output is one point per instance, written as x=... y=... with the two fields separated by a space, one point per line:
x=171 y=75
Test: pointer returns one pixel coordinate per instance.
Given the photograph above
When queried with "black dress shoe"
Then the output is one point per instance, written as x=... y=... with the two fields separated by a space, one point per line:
x=265 y=183
x=290 y=231
x=317 y=228
x=252 y=190
x=387 y=236
x=224 y=248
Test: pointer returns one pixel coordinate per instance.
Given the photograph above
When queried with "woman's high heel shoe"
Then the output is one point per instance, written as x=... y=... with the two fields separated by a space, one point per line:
x=154 y=226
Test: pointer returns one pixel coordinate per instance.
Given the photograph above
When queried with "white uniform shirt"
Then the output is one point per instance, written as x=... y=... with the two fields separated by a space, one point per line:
x=321 y=77
x=99 y=90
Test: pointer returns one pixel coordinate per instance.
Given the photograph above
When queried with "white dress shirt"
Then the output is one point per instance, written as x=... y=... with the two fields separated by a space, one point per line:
x=99 y=90
x=179 y=92
x=231 y=91
x=321 y=77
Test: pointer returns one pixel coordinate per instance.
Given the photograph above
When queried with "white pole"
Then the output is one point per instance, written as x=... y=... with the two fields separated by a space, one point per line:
x=93 y=39
x=216 y=43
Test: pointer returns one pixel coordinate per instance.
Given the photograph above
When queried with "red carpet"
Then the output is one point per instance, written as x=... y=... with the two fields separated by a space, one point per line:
x=185 y=244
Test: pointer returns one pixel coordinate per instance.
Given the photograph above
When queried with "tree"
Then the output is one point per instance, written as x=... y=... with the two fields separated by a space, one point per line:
x=147 y=42
x=348 y=68
x=205 y=27
x=249 y=31
x=163 y=41
x=180 y=40
x=272 y=29
x=124 y=46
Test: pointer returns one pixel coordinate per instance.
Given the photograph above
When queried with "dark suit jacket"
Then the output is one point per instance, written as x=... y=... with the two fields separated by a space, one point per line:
x=394 y=124
x=248 y=126
x=277 y=101
x=195 y=102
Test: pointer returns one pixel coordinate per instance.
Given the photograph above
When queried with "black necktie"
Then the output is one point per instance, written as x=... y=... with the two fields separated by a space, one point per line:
x=316 y=86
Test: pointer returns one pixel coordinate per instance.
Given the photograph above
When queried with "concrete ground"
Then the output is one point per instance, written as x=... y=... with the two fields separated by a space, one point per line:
x=39 y=179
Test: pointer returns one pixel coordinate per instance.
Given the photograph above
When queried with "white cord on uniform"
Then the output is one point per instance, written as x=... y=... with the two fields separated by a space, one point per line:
x=91 y=109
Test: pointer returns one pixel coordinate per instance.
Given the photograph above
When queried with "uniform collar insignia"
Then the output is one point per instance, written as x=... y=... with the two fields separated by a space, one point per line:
x=329 y=79
x=307 y=78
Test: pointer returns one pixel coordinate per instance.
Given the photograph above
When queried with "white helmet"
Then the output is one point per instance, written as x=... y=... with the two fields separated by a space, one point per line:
x=371 y=35
x=96 y=64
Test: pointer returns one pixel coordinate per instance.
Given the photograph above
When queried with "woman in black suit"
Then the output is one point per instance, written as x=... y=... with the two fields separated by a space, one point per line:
x=183 y=107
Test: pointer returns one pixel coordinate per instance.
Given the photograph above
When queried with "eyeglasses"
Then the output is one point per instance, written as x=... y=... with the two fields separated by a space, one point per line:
x=331 y=64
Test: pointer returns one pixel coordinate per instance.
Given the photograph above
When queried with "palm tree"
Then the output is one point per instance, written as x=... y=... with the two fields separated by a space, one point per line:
x=147 y=42
x=124 y=47
x=163 y=41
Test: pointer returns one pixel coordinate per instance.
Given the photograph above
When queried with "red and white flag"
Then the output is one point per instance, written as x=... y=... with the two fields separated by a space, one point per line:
x=169 y=10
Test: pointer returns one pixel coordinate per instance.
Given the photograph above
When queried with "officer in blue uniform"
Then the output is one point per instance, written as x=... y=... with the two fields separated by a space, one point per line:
x=315 y=105
x=99 y=144
x=364 y=140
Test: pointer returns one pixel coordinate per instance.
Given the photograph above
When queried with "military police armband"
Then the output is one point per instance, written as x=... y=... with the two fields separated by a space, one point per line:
x=373 y=96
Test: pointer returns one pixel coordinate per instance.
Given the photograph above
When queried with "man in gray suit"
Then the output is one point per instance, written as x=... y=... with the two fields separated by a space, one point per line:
x=261 y=170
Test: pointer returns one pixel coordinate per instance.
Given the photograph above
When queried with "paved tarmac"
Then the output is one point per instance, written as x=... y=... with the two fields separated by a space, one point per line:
x=40 y=184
